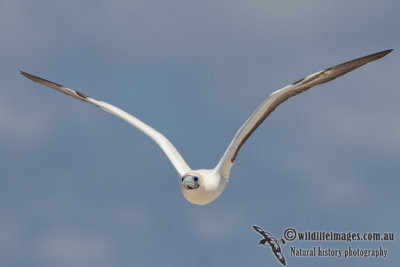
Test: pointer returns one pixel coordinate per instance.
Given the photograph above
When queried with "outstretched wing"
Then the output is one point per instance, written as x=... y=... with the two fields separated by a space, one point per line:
x=280 y=96
x=276 y=249
x=171 y=152
x=259 y=230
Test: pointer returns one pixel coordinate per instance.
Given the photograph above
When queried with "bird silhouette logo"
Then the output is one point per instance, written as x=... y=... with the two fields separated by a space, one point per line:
x=273 y=242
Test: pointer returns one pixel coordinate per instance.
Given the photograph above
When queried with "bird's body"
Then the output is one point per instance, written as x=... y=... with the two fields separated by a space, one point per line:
x=203 y=186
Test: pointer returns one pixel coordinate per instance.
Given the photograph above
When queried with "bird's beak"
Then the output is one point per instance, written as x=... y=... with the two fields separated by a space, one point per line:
x=189 y=183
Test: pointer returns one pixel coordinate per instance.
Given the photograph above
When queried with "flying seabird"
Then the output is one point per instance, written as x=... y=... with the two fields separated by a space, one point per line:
x=205 y=185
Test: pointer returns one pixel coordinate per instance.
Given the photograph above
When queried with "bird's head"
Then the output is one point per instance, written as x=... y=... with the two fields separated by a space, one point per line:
x=191 y=181
x=202 y=186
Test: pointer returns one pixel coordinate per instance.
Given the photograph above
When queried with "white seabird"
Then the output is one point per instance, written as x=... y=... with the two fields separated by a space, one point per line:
x=203 y=186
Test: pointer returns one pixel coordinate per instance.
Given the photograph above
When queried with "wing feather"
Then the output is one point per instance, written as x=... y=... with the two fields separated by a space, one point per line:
x=278 y=97
x=171 y=152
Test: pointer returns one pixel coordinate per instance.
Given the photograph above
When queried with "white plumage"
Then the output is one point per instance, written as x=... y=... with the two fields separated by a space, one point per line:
x=203 y=186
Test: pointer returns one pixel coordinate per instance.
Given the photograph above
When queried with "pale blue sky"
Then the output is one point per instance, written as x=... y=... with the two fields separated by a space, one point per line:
x=80 y=187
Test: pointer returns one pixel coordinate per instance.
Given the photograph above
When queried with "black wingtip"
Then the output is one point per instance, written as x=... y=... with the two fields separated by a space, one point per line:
x=23 y=72
x=27 y=75
x=40 y=80
x=377 y=55
x=385 y=52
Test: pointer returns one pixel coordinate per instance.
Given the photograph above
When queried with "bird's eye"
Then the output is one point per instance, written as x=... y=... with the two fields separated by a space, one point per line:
x=196 y=179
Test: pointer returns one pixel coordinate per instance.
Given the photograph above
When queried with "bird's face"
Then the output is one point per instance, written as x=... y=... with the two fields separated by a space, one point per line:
x=202 y=186
x=191 y=181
